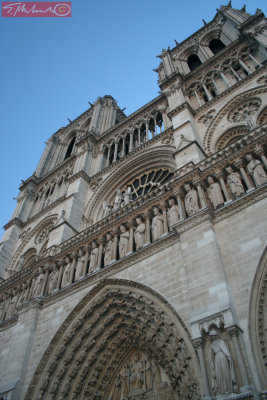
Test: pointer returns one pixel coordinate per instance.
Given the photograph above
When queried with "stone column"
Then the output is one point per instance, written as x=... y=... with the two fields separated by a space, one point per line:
x=180 y=204
x=100 y=253
x=256 y=61
x=223 y=186
x=259 y=150
x=201 y=195
x=131 y=237
x=243 y=65
x=123 y=146
x=207 y=92
x=148 y=233
x=60 y=273
x=73 y=265
x=107 y=161
x=155 y=128
x=45 y=281
x=234 y=332
x=115 y=151
x=86 y=261
x=147 y=132
x=225 y=80
x=139 y=137
x=131 y=142
x=204 y=377
x=240 y=165
x=235 y=74
x=198 y=99
x=165 y=222
x=115 y=244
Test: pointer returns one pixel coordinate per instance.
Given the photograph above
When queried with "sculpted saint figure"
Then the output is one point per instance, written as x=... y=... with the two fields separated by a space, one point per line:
x=12 y=304
x=66 y=274
x=117 y=201
x=80 y=265
x=38 y=283
x=191 y=200
x=127 y=197
x=173 y=213
x=234 y=182
x=256 y=170
x=221 y=365
x=157 y=224
x=108 y=250
x=93 y=258
x=52 y=284
x=214 y=193
x=124 y=241
x=137 y=375
x=23 y=295
x=139 y=233
x=107 y=208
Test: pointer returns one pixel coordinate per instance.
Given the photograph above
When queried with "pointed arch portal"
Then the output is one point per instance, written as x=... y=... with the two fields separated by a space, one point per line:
x=122 y=341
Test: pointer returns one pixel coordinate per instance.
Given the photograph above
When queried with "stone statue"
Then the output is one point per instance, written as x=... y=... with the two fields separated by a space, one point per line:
x=52 y=284
x=173 y=213
x=139 y=233
x=107 y=208
x=23 y=295
x=256 y=170
x=137 y=375
x=80 y=265
x=191 y=200
x=157 y=224
x=221 y=365
x=93 y=258
x=12 y=304
x=127 y=197
x=124 y=241
x=38 y=284
x=214 y=193
x=19 y=265
x=234 y=182
x=108 y=250
x=67 y=273
x=117 y=201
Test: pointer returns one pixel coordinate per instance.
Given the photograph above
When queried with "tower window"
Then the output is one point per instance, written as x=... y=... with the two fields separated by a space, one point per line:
x=193 y=62
x=70 y=148
x=216 y=45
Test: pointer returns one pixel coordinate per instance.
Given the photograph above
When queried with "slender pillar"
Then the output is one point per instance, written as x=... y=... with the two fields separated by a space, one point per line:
x=45 y=281
x=131 y=237
x=148 y=234
x=215 y=86
x=73 y=265
x=223 y=186
x=147 y=132
x=139 y=137
x=165 y=223
x=123 y=147
x=180 y=205
x=235 y=74
x=86 y=261
x=234 y=332
x=100 y=253
x=225 y=80
x=207 y=92
x=240 y=165
x=243 y=65
x=260 y=152
x=256 y=61
x=115 y=151
x=155 y=127
x=201 y=195
x=107 y=161
x=199 y=347
x=131 y=142
x=60 y=273
x=198 y=99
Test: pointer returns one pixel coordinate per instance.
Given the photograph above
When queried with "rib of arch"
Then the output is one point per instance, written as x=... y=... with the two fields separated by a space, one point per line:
x=115 y=321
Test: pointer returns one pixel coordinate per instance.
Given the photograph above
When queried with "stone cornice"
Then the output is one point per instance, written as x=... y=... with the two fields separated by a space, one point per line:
x=180 y=108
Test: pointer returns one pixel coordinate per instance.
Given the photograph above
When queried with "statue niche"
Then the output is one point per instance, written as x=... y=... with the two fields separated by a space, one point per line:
x=140 y=377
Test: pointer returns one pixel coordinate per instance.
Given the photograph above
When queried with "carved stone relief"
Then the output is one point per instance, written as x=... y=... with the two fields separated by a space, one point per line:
x=244 y=111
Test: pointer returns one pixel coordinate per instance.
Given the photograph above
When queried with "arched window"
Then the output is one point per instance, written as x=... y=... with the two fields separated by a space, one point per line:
x=70 y=148
x=216 y=45
x=193 y=62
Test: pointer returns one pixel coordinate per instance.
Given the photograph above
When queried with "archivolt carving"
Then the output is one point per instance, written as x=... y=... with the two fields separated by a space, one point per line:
x=49 y=221
x=153 y=158
x=116 y=321
x=262 y=117
x=208 y=143
x=230 y=136
x=244 y=110
x=258 y=317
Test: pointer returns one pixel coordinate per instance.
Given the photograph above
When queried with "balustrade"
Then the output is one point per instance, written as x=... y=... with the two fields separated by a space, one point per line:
x=213 y=183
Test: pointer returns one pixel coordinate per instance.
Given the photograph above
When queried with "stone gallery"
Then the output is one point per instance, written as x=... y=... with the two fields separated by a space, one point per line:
x=135 y=265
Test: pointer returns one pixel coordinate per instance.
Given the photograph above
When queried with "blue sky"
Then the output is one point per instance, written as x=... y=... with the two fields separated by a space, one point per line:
x=52 y=67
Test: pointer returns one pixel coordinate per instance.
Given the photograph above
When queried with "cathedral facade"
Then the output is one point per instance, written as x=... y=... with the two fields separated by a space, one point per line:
x=135 y=264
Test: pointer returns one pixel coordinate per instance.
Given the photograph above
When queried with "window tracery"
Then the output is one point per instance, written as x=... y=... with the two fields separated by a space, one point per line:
x=244 y=111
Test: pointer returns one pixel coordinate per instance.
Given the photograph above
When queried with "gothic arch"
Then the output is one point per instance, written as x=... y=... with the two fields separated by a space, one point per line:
x=262 y=117
x=258 y=318
x=113 y=319
x=230 y=136
x=27 y=242
x=210 y=137
x=159 y=157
